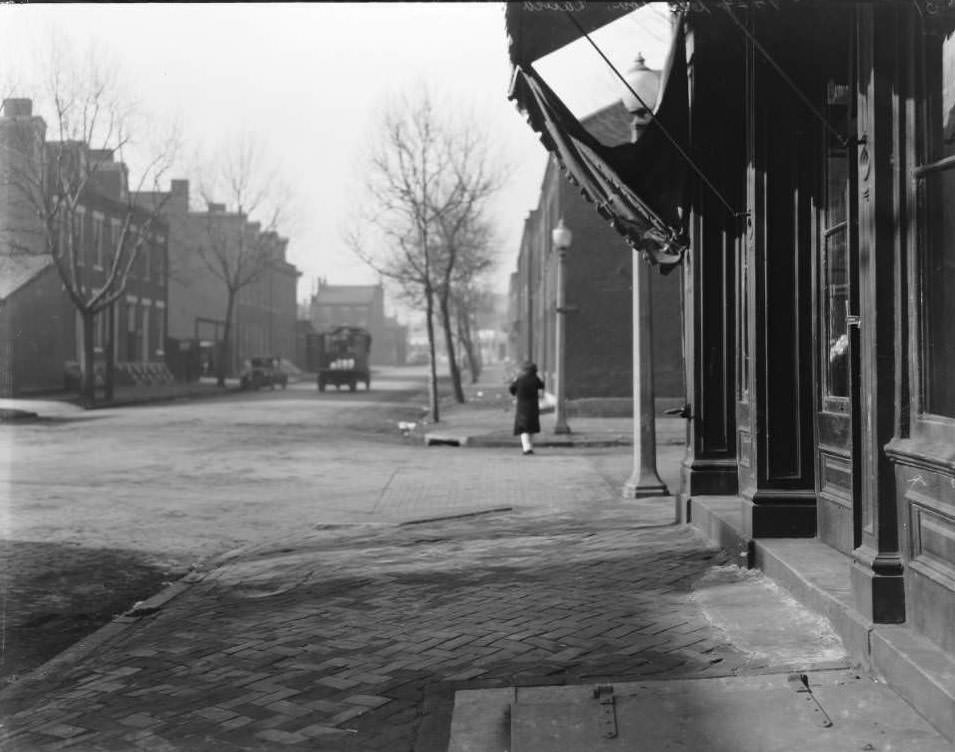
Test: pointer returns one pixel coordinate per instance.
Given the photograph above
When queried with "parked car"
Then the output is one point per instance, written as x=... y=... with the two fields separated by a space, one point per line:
x=264 y=371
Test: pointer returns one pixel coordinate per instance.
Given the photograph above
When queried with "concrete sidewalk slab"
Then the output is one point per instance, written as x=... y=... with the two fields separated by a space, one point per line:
x=486 y=428
x=487 y=418
x=835 y=711
x=66 y=405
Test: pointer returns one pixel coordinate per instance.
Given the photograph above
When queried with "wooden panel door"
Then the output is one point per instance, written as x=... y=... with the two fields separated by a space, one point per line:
x=836 y=319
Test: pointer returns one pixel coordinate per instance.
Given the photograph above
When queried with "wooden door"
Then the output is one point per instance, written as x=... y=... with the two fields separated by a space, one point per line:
x=836 y=309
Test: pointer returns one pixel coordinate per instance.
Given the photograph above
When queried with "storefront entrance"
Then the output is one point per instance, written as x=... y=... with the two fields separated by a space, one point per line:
x=836 y=307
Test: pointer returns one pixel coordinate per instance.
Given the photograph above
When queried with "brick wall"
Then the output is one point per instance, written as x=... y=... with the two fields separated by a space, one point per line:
x=599 y=354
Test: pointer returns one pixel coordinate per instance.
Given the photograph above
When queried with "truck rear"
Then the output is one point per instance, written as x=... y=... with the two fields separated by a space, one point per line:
x=342 y=355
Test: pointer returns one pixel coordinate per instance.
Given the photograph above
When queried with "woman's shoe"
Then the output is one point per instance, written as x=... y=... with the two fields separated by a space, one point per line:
x=528 y=451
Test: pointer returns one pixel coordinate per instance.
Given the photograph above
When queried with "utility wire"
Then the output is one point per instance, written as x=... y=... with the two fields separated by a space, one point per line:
x=844 y=140
x=686 y=157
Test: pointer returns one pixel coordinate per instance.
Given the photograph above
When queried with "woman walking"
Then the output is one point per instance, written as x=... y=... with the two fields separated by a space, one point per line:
x=526 y=388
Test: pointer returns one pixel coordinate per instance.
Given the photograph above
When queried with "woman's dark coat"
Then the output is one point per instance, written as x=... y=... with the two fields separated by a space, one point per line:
x=527 y=415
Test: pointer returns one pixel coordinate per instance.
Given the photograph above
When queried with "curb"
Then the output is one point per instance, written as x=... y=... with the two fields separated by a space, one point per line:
x=15 y=415
x=158 y=398
x=488 y=442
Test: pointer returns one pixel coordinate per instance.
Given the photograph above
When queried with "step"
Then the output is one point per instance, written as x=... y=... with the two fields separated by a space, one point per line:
x=819 y=711
x=819 y=576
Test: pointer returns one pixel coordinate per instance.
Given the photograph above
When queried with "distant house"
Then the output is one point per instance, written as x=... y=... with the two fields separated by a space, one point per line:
x=35 y=324
x=360 y=305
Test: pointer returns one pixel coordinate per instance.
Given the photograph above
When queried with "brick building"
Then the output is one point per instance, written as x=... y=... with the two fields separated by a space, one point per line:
x=40 y=326
x=599 y=362
x=265 y=309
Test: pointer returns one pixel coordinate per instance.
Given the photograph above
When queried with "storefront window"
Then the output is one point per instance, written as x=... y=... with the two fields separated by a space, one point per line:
x=937 y=242
x=836 y=246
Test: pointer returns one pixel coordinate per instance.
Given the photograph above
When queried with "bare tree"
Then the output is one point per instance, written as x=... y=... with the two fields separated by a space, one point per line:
x=463 y=229
x=47 y=187
x=427 y=182
x=235 y=249
x=405 y=170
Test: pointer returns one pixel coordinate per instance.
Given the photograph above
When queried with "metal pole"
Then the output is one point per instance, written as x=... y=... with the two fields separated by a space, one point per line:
x=560 y=418
x=645 y=481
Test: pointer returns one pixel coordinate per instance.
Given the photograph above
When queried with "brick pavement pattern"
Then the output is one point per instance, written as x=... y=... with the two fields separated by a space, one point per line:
x=356 y=638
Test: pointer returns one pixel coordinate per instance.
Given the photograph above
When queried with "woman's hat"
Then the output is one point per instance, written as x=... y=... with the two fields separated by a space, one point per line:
x=528 y=365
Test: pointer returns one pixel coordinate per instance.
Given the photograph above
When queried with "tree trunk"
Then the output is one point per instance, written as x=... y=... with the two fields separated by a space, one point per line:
x=432 y=356
x=87 y=358
x=467 y=343
x=226 y=355
x=449 y=344
x=109 y=377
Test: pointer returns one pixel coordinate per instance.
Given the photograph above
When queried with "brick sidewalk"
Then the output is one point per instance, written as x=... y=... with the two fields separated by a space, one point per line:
x=351 y=647
x=356 y=638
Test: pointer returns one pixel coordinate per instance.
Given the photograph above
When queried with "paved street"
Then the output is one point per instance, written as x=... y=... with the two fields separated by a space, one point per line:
x=348 y=619
x=102 y=508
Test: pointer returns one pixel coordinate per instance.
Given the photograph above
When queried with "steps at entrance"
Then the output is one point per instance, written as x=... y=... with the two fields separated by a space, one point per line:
x=819 y=576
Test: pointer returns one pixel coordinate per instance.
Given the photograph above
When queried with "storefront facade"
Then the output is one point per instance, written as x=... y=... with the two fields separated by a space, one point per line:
x=815 y=228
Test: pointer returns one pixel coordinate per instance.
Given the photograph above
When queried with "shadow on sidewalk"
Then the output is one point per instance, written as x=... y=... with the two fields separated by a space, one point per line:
x=55 y=594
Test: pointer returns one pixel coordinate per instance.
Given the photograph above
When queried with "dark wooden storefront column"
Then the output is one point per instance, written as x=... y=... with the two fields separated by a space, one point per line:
x=774 y=408
x=716 y=56
x=877 y=580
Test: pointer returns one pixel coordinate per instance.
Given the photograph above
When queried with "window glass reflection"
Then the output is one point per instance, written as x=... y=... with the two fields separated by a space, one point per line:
x=939 y=249
x=836 y=245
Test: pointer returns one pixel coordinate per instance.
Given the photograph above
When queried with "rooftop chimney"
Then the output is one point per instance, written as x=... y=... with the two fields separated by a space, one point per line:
x=215 y=208
x=179 y=188
x=17 y=107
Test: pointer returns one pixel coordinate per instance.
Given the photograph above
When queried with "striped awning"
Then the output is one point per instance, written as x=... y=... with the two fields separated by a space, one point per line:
x=641 y=187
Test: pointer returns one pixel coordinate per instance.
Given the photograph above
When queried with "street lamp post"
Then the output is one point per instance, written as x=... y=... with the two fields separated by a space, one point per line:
x=562 y=238
x=639 y=100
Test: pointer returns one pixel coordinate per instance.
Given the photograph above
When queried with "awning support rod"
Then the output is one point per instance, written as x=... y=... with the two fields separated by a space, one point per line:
x=844 y=140
x=686 y=157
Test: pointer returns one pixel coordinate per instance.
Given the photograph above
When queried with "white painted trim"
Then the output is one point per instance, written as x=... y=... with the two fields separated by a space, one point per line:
x=132 y=299
x=146 y=301
x=160 y=304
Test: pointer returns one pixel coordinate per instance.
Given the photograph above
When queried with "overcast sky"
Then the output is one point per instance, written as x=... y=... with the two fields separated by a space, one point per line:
x=309 y=80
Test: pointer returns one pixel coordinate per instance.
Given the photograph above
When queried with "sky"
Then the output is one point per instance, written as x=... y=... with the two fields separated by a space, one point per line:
x=309 y=82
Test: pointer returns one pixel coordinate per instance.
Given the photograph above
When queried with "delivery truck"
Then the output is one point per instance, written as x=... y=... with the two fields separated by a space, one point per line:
x=339 y=357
